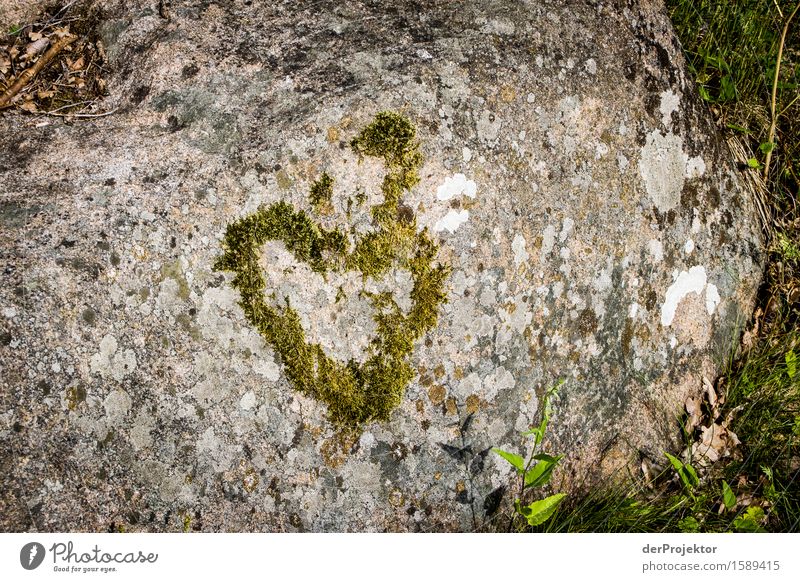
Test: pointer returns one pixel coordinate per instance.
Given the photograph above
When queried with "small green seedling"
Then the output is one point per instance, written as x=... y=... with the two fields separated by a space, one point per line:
x=750 y=521
x=728 y=496
x=537 y=470
x=686 y=473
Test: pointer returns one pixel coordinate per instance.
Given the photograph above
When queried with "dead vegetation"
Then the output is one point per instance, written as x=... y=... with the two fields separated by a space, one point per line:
x=55 y=65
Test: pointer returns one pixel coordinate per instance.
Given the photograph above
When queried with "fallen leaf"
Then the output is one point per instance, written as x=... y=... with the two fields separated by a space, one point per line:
x=29 y=106
x=694 y=410
x=649 y=471
x=34 y=35
x=714 y=402
x=35 y=48
x=716 y=442
x=77 y=65
x=61 y=32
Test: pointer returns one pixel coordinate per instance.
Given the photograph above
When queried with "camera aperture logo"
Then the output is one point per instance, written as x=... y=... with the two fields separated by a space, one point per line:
x=31 y=555
x=67 y=559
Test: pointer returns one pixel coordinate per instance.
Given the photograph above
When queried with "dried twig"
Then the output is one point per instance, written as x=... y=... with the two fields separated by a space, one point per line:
x=81 y=115
x=28 y=74
x=773 y=102
x=67 y=106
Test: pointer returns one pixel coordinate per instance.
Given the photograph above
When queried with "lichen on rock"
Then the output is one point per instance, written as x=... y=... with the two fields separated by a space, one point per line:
x=355 y=393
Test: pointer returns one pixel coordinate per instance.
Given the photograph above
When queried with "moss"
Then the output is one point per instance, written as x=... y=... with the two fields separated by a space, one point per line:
x=321 y=194
x=354 y=393
x=75 y=395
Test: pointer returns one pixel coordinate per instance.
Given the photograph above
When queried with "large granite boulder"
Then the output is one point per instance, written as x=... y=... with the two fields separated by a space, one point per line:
x=324 y=255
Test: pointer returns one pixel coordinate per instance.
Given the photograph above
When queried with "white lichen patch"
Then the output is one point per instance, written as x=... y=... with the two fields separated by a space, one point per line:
x=335 y=309
x=214 y=316
x=514 y=319
x=488 y=126
x=110 y=362
x=116 y=405
x=688 y=248
x=662 y=165
x=566 y=229
x=248 y=401
x=518 y=247
x=670 y=103
x=712 y=298
x=143 y=425
x=220 y=453
x=457 y=185
x=499 y=379
x=695 y=167
x=451 y=221
x=692 y=281
x=548 y=240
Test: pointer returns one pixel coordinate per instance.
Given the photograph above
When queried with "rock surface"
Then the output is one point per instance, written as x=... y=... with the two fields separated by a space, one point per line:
x=594 y=226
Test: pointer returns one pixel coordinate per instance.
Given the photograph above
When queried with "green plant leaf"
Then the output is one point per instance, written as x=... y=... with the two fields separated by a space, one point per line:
x=727 y=89
x=791 y=363
x=548 y=458
x=704 y=94
x=767 y=147
x=728 y=497
x=540 y=511
x=517 y=461
x=542 y=472
x=750 y=520
x=686 y=472
x=689 y=525
x=692 y=477
x=738 y=128
x=753 y=163
x=676 y=463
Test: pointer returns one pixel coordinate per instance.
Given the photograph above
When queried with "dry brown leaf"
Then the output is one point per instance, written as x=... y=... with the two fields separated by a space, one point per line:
x=716 y=442
x=711 y=396
x=61 y=32
x=101 y=50
x=29 y=106
x=77 y=65
x=5 y=64
x=694 y=410
x=649 y=471
x=35 y=48
x=34 y=35
x=45 y=94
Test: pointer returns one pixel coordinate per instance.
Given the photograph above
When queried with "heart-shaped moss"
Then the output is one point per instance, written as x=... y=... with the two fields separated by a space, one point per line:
x=355 y=393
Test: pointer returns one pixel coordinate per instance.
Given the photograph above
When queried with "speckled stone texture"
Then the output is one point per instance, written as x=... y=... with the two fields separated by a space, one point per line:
x=596 y=229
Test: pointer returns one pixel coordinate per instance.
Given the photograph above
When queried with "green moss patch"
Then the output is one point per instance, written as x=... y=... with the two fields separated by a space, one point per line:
x=355 y=393
x=321 y=194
